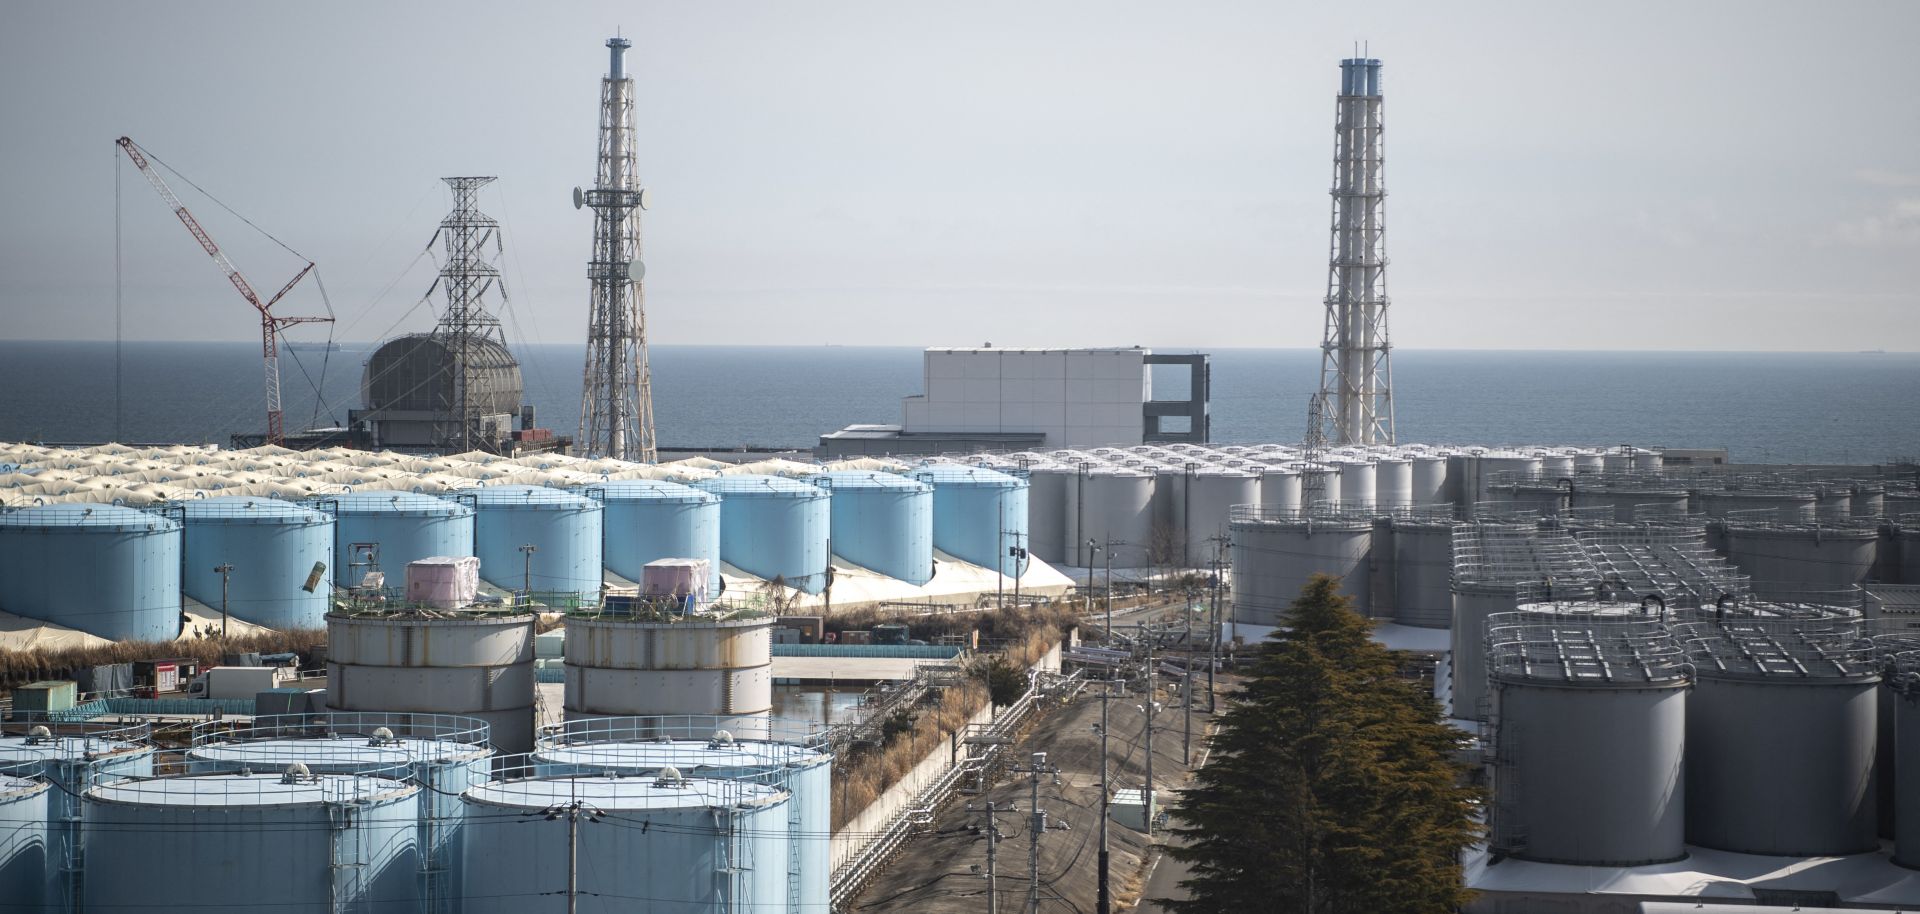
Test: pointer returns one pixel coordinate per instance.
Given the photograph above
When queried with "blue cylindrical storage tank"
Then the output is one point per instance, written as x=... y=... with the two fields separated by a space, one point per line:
x=23 y=840
x=805 y=772
x=273 y=547
x=978 y=514
x=252 y=842
x=648 y=519
x=563 y=528
x=883 y=522
x=682 y=845
x=407 y=526
x=444 y=754
x=106 y=570
x=72 y=764
x=774 y=527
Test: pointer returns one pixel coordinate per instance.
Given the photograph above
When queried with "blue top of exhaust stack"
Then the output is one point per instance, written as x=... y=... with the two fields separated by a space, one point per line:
x=1360 y=76
x=616 y=48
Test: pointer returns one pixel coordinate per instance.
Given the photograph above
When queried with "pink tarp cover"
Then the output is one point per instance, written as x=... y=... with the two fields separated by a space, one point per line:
x=443 y=582
x=676 y=578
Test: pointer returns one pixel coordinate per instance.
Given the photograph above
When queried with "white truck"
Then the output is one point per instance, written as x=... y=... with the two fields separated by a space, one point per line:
x=237 y=681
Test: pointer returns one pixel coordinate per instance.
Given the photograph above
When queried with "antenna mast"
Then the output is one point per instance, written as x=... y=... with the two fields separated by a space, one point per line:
x=1356 y=378
x=616 y=397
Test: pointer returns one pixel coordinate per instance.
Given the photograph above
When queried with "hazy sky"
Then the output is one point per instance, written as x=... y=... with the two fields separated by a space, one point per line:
x=1736 y=175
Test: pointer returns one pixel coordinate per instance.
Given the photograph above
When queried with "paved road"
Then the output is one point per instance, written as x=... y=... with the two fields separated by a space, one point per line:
x=1164 y=881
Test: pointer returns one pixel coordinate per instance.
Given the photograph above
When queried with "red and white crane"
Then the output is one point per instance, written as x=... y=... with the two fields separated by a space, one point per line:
x=270 y=323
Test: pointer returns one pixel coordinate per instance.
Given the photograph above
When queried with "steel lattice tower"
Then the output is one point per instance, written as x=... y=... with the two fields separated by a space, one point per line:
x=1356 y=379
x=616 y=397
x=470 y=333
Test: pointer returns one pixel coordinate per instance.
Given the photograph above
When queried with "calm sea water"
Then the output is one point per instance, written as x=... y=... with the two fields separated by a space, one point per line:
x=1764 y=407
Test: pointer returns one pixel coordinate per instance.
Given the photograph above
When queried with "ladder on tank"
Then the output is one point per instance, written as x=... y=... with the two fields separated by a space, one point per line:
x=347 y=857
x=729 y=873
x=794 y=837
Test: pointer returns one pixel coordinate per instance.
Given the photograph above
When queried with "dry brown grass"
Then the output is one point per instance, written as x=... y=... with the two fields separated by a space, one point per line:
x=861 y=779
x=1006 y=624
x=19 y=667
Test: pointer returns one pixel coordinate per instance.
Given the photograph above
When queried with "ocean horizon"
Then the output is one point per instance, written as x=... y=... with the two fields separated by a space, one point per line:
x=1763 y=407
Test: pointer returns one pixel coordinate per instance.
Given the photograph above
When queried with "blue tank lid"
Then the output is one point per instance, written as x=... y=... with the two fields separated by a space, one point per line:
x=243 y=509
x=751 y=484
x=941 y=474
x=651 y=490
x=869 y=479
x=411 y=504
x=516 y=496
x=91 y=516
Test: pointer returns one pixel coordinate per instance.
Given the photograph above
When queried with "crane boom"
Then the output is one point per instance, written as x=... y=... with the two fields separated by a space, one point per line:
x=270 y=325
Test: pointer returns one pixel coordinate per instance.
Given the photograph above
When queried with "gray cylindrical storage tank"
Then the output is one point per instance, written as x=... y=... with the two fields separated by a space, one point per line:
x=273 y=547
x=1757 y=505
x=977 y=514
x=648 y=519
x=1497 y=468
x=882 y=522
x=615 y=747
x=1832 y=503
x=1473 y=603
x=1780 y=739
x=1048 y=493
x=1556 y=466
x=1275 y=555
x=1429 y=480
x=1279 y=490
x=1115 y=506
x=106 y=570
x=477 y=665
x=1802 y=556
x=1869 y=499
x=563 y=528
x=1359 y=486
x=1589 y=744
x=702 y=665
x=24 y=841
x=1423 y=573
x=1630 y=504
x=1393 y=483
x=405 y=526
x=73 y=758
x=685 y=846
x=443 y=755
x=772 y=527
x=276 y=842
x=1904 y=683
x=1212 y=494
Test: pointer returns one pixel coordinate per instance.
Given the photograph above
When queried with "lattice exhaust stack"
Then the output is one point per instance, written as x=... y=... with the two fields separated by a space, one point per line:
x=1356 y=379
x=616 y=397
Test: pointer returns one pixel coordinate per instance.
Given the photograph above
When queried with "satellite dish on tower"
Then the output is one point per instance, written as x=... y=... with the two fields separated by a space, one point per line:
x=579 y=198
x=642 y=198
x=636 y=270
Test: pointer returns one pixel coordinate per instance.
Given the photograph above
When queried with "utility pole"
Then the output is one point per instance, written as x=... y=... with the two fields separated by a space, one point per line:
x=225 y=571
x=1103 y=903
x=1093 y=546
x=1109 y=588
x=1018 y=553
x=526 y=568
x=1213 y=624
x=573 y=810
x=1186 y=692
x=1036 y=824
x=1153 y=690
x=993 y=841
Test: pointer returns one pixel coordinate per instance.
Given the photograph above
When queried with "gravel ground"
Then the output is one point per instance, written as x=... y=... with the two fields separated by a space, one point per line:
x=933 y=872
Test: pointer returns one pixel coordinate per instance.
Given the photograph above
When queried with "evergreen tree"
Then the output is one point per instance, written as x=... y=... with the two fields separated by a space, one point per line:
x=1332 y=787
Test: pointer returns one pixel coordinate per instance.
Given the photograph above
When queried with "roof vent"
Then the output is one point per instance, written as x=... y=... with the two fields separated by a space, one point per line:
x=297 y=773
x=669 y=777
x=721 y=740
x=382 y=737
x=38 y=735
